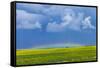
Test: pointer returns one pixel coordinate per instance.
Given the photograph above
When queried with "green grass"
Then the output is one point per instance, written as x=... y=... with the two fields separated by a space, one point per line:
x=56 y=55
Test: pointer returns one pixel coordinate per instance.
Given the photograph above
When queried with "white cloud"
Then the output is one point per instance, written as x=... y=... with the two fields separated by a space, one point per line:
x=50 y=10
x=27 y=25
x=54 y=27
x=67 y=19
x=54 y=10
x=27 y=20
x=71 y=21
x=76 y=22
x=30 y=7
x=87 y=23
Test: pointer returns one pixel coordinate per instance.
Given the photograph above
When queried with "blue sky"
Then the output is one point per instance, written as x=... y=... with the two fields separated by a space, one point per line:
x=39 y=25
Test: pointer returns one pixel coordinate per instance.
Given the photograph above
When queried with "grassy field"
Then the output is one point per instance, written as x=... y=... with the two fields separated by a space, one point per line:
x=55 y=55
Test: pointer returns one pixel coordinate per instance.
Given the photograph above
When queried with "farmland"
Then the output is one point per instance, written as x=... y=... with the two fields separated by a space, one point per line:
x=55 y=55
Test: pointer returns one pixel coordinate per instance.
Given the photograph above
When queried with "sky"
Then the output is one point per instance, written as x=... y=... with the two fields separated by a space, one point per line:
x=41 y=25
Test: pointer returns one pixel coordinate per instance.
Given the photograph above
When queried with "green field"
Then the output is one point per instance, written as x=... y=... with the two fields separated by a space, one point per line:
x=55 y=55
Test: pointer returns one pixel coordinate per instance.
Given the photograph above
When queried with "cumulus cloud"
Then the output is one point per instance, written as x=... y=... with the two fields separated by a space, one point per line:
x=49 y=10
x=71 y=21
x=29 y=16
x=27 y=25
x=75 y=23
x=67 y=19
x=54 y=27
x=87 y=23
x=27 y=20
